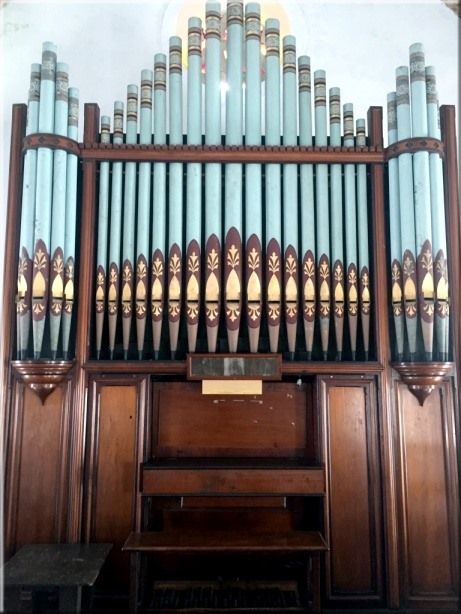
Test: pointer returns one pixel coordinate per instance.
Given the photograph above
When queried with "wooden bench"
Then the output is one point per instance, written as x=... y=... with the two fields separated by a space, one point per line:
x=45 y=567
x=308 y=544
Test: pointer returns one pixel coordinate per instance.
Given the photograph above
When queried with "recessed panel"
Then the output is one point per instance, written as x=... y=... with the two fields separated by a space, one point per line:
x=271 y=424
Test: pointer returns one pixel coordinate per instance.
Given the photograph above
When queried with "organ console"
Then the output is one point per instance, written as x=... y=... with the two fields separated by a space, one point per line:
x=167 y=270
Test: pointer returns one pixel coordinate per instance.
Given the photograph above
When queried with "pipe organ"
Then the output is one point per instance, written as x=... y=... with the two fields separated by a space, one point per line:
x=261 y=233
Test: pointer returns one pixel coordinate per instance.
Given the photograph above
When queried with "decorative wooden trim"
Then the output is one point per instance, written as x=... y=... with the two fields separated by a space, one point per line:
x=84 y=311
x=453 y=223
x=381 y=329
x=232 y=153
x=42 y=376
x=423 y=377
x=19 y=120
x=428 y=144
x=179 y=367
x=51 y=141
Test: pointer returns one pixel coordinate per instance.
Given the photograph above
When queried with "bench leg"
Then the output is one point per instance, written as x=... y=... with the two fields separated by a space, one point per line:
x=13 y=600
x=70 y=599
x=315 y=583
x=135 y=580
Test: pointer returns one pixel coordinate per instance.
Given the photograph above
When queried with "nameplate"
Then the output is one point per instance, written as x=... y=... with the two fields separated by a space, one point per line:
x=232 y=386
x=266 y=367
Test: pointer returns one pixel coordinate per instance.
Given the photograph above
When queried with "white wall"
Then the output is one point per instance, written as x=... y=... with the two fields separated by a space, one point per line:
x=107 y=44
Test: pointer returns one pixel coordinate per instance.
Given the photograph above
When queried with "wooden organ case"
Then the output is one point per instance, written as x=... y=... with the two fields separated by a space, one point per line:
x=337 y=472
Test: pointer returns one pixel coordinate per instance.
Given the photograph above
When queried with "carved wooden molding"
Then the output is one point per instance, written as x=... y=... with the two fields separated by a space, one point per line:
x=416 y=144
x=423 y=377
x=43 y=376
x=232 y=153
x=51 y=141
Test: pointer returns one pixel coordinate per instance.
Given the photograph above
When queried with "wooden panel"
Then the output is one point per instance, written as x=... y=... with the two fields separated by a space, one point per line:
x=213 y=519
x=233 y=481
x=115 y=477
x=190 y=424
x=38 y=461
x=256 y=502
x=429 y=498
x=354 y=563
x=112 y=468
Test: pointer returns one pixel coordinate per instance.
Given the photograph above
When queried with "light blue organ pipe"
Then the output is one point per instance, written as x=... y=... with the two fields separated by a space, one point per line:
x=43 y=198
x=322 y=211
x=102 y=267
x=362 y=232
x=71 y=223
x=143 y=210
x=290 y=194
x=439 y=237
x=26 y=239
x=253 y=172
x=194 y=181
x=233 y=206
x=273 y=182
x=213 y=215
x=350 y=214
x=337 y=228
x=175 y=195
x=58 y=210
x=394 y=229
x=306 y=172
x=422 y=196
x=406 y=207
x=115 y=240
x=129 y=216
x=159 y=204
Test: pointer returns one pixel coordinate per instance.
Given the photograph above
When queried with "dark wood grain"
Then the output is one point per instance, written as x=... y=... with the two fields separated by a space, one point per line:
x=225 y=541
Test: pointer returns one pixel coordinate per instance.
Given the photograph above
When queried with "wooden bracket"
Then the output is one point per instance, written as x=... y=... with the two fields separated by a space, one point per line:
x=422 y=377
x=42 y=376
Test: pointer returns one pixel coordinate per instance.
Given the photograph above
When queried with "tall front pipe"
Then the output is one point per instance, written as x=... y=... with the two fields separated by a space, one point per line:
x=350 y=202
x=394 y=230
x=337 y=228
x=58 y=210
x=273 y=184
x=407 y=211
x=26 y=239
x=362 y=230
x=158 y=205
x=113 y=294
x=422 y=194
x=43 y=199
x=71 y=224
x=143 y=223
x=290 y=194
x=439 y=236
x=103 y=229
x=322 y=211
x=306 y=172
x=194 y=182
x=253 y=174
x=129 y=212
x=213 y=197
x=233 y=209
x=175 y=195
